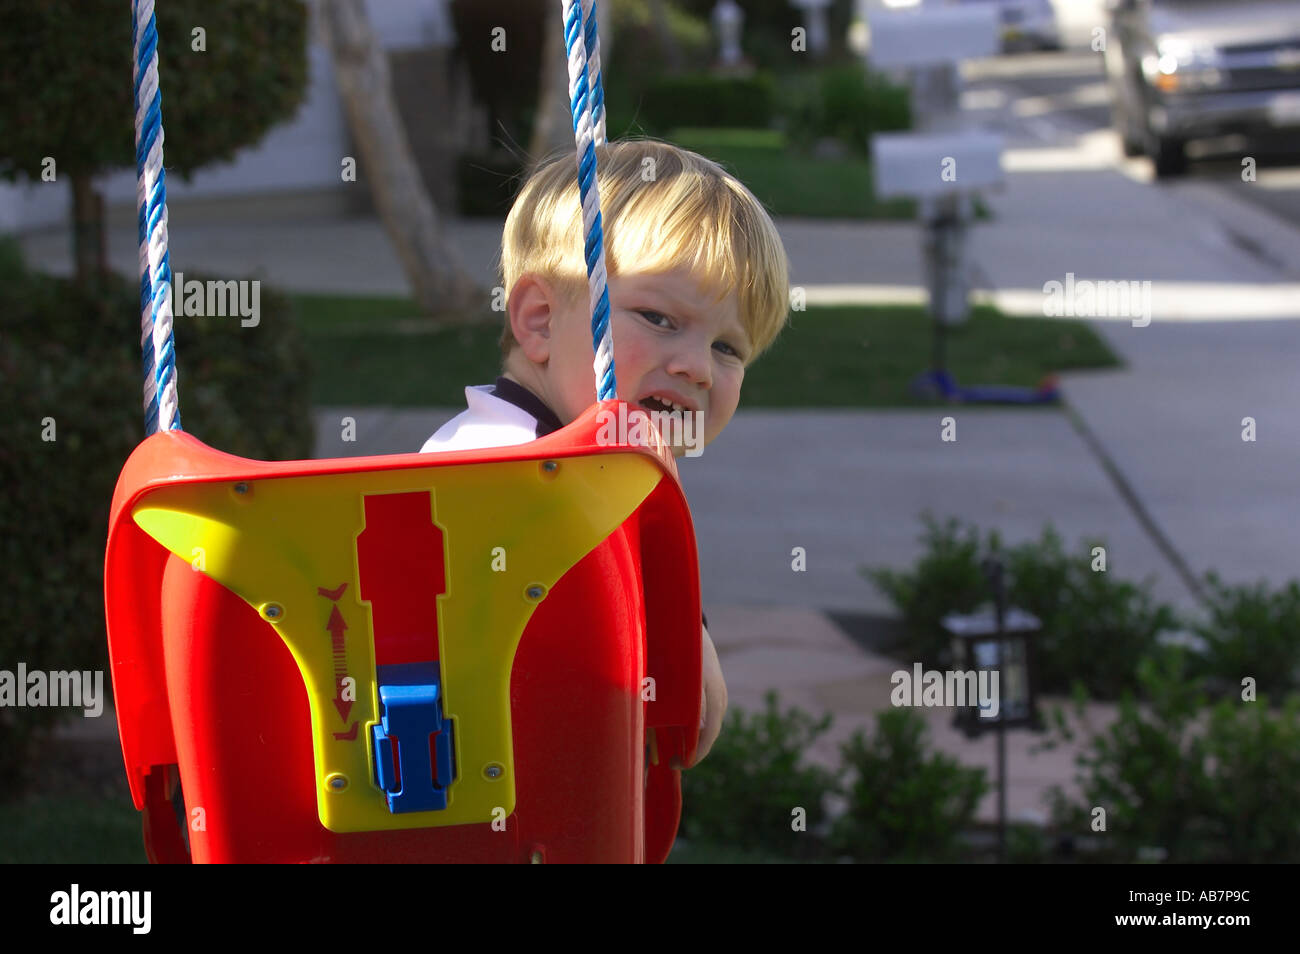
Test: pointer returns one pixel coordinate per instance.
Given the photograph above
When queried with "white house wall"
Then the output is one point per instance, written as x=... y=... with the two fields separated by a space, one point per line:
x=301 y=155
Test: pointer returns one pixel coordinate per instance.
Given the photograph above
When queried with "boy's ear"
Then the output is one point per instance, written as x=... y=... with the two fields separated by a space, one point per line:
x=532 y=306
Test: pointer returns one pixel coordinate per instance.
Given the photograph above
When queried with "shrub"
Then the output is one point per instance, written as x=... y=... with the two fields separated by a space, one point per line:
x=947 y=579
x=70 y=353
x=688 y=39
x=72 y=97
x=703 y=100
x=902 y=804
x=1254 y=764
x=846 y=103
x=1252 y=631
x=1028 y=844
x=1192 y=783
x=1095 y=628
x=743 y=794
x=74 y=100
x=54 y=512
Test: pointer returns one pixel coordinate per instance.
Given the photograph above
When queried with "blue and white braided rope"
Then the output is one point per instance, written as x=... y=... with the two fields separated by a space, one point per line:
x=582 y=44
x=591 y=39
x=161 y=405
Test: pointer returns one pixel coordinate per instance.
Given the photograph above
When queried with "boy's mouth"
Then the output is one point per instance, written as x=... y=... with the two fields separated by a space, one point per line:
x=655 y=402
x=681 y=425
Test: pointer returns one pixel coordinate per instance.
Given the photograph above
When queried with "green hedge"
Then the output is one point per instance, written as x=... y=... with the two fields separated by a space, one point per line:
x=707 y=101
x=902 y=801
x=846 y=103
x=744 y=793
x=1183 y=782
x=1251 y=631
x=68 y=94
x=71 y=355
x=1096 y=627
x=1179 y=780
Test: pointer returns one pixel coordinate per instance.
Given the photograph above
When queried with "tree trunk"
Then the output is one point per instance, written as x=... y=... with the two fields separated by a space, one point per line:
x=553 y=127
x=440 y=283
x=88 y=249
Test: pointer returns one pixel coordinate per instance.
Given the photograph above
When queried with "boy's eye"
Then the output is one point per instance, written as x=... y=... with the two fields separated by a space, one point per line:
x=663 y=321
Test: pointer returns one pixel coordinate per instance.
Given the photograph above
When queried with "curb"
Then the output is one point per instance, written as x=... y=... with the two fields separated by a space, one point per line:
x=1265 y=234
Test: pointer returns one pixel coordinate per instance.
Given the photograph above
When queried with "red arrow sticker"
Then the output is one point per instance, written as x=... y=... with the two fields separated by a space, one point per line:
x=334 y=594
x=348 y=736
x=336 y=627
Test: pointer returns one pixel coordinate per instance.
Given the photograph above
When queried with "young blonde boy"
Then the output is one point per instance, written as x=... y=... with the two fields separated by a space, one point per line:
x=698 y=289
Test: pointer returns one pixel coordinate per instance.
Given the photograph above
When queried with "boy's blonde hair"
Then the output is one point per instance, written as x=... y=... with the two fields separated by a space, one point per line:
x=662 y=208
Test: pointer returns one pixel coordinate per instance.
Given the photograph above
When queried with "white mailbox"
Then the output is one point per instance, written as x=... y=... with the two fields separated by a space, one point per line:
x=929 y=36
x=936 y=164
x=814 y=18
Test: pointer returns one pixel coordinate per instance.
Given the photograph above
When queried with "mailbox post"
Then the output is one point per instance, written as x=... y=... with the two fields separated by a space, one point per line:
x=943 y=164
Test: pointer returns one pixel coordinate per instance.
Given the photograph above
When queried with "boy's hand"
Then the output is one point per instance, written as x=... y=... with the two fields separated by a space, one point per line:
x=713 y=697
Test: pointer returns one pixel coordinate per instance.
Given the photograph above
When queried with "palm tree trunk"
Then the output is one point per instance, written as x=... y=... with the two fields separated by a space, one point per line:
x=438 y=278
x=88 y=249
x=553 y=127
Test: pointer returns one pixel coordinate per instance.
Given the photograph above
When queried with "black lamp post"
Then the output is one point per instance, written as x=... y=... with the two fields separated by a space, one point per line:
x=997 y=641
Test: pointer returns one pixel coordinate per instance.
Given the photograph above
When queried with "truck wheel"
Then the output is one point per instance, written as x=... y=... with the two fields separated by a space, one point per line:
x=1170 y=157
x=1130 y=139
x=1132 y=145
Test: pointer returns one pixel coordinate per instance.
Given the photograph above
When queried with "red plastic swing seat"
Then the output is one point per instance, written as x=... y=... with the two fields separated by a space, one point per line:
x=219 y=686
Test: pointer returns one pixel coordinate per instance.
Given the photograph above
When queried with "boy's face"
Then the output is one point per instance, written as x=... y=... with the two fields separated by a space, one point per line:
x=672 y=340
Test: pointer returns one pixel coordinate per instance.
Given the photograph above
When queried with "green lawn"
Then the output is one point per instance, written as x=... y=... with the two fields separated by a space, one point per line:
x=67 y=830
x=377 y=351
x=697 y=853
x=867 y=356
x=85 y=831
x=791 y=184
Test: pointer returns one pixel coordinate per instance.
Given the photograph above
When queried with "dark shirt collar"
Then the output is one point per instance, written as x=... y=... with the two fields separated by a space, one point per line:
x=522 y=398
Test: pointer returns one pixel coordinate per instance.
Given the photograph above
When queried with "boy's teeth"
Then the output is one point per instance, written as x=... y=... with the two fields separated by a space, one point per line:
x=656 y=402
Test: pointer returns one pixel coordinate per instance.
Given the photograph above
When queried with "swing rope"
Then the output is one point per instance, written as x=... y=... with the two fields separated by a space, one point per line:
x=157 y=340
x=161 y=405
x=587 y=102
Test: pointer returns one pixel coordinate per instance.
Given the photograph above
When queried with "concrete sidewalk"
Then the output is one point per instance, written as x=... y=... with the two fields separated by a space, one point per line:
x=849 y=487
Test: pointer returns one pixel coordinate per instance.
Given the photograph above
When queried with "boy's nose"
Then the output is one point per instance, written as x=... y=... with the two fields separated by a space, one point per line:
x=693 y=363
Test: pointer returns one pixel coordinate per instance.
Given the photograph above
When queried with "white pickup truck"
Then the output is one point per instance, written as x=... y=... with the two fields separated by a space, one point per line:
x=1191 y=69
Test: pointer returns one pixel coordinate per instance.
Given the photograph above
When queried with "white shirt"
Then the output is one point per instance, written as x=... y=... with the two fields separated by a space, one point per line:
x=497 y=415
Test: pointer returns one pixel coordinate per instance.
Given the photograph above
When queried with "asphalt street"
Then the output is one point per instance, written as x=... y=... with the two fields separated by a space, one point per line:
x=1058 y=95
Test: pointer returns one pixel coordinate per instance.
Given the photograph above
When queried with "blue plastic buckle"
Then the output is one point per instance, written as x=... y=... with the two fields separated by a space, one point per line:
x=411 y=721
